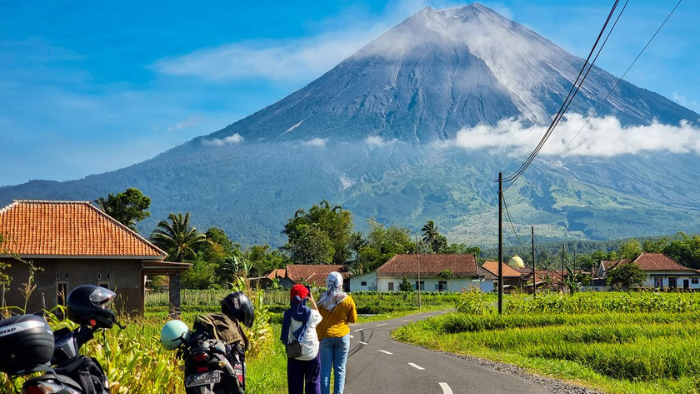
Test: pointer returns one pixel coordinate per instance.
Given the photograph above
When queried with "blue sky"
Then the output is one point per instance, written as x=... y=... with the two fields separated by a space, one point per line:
x=92 y=86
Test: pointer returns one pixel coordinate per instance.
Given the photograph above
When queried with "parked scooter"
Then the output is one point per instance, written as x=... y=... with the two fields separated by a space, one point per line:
x=31 y=346
x=214 y=353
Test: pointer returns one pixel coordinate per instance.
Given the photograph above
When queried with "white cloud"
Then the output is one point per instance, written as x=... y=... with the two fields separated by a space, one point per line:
x=232 y=139
x=296 y=59
x=379 y=142
x=317 y=142
x=600 y=137
x=684 y=101
x=190 y=122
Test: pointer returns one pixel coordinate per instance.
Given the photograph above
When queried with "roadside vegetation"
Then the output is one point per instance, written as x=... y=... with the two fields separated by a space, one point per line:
x=613 y=342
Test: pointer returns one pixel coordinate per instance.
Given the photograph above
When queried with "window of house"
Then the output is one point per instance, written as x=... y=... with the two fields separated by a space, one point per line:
x=391 y=286
x=104 y=284
x=363 y=283
x=108 y=278
x=422 y=285
x=658 y=282
x=58 y=276
x=694 y=281
x=61 y=293
x=441 y=286
x=66 y=275
x=99 y=276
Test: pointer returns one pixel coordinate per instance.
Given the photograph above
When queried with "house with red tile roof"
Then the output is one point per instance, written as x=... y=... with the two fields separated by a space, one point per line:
x=312 y=275
x=662 y=271
x=437 y=272
x=74 y=243
x=512 y=278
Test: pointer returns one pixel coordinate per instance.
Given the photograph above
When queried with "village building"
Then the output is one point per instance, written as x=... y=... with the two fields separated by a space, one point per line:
x=311 y=275
x=662 y=272
x=73 y=243
x=512 y=278
x=437 y=272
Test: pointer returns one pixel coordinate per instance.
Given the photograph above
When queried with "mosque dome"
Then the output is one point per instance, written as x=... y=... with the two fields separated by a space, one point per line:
x=516 y=262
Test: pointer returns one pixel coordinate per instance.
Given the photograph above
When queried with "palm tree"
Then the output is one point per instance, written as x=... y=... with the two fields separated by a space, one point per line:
x=430 y=232
x=177 y=237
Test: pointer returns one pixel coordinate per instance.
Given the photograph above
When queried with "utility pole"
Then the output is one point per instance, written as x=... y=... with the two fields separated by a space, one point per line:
x=500 y=243
x=534 y=277
x=563 y=252
x=418 y=285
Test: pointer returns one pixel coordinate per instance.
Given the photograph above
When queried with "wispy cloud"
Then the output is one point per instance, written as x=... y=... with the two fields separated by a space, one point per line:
x=684 y=101
x=190 y=122
x=316 y=142
x=232 y=139
x=600 y=137
x=292 y=59
x=379 y=142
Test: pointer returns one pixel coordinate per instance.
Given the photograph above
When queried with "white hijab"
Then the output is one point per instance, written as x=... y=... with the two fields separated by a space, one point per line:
x=335 y=294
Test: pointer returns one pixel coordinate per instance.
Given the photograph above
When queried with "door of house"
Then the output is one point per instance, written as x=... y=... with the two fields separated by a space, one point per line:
x=672 y=282
x=686 y=284
x=658 y=282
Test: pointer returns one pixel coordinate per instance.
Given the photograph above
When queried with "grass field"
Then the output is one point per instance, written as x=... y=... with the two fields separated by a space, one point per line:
x=614 y=342
x=135 y=361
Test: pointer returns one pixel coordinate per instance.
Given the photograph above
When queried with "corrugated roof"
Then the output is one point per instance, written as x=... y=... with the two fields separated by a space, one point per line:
x=508 y=271
x=315 y=275
x=461 y=265
x=69 y=228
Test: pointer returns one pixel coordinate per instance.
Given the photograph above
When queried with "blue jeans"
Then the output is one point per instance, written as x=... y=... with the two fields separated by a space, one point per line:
x=334 y=353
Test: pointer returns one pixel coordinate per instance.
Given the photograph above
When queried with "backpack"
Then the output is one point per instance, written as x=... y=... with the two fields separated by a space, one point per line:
x=222 y=327
x=87 y=372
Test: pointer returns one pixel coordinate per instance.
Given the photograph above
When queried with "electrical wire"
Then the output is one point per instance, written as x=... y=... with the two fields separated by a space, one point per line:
x=616 y=83
x=505 y=206
x=585 y=69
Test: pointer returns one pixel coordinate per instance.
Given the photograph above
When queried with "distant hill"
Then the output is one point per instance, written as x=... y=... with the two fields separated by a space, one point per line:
x=368 y=133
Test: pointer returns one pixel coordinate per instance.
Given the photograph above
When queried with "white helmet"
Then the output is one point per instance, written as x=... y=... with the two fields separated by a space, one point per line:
x=173 y=334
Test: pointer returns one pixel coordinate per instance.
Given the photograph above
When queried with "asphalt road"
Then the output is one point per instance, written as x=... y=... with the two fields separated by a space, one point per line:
x=378 y=364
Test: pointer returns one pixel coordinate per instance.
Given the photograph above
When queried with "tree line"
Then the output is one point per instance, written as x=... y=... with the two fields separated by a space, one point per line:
x=324 y=235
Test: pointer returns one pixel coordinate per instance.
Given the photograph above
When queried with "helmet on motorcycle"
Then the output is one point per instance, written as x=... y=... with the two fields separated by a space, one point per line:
x=173 y=334
x=238 y=306
x=87 y=304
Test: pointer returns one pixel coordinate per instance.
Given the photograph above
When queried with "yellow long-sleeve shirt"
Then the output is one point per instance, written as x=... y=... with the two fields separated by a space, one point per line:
x=335 y=322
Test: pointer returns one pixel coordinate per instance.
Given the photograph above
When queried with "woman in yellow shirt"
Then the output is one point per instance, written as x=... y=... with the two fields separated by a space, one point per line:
x=338 y=311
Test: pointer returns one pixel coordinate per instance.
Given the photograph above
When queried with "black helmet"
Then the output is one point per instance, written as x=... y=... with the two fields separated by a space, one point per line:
x=238 y=305
x=87 y=304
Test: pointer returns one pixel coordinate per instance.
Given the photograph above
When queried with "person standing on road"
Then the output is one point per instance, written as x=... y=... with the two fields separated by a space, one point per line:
x=299 y=324
x=338 y=311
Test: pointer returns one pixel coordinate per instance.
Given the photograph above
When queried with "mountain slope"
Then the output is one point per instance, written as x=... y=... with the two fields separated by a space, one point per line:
x=364 y=135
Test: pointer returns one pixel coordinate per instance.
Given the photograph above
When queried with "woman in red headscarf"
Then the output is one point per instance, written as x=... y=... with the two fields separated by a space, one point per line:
x=299 y=331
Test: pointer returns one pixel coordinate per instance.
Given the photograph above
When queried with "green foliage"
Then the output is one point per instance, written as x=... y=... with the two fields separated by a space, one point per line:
x=127 y=208
x=432 y=238
x=630 y=250
x=310 y=245
x=446 y=274
x=625 y=276
x=177 y=237
x=263 y=260
x=685 y=250
x=327 y=229
x=382 y=244
x=202 y=275
x=405 y=285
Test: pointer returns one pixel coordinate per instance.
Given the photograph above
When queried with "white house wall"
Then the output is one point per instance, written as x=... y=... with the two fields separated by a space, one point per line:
x=430 y=284
x=679 y=279
x=369 y=279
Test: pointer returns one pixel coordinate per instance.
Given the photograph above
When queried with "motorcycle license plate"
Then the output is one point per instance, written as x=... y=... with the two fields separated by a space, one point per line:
x=202 y=379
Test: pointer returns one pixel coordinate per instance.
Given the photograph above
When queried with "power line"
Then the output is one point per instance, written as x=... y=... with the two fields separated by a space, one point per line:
x=585 y=69
x=505 y=206
x=616 y=83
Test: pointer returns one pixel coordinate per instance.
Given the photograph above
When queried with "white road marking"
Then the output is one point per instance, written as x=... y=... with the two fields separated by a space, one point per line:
x=418 y=367
x=364 y=343
x=359 y=329
x=352 y=337
x=383 y=324
x=445 y=388
x=384 y=351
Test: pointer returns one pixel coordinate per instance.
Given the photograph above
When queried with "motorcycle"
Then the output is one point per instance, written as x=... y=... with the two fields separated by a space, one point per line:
x=33 y=347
